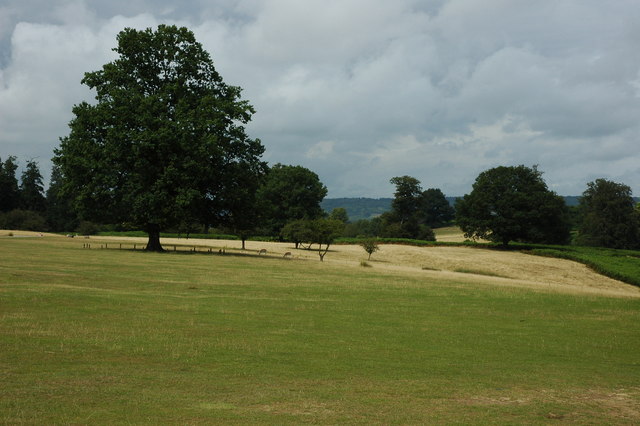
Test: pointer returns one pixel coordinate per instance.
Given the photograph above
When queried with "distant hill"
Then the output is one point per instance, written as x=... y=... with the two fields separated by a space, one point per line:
x=367 y=208
x=358 y=208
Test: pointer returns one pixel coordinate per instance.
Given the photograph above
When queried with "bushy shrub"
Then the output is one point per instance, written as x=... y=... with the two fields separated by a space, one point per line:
x=25 y=220
x=87 y=228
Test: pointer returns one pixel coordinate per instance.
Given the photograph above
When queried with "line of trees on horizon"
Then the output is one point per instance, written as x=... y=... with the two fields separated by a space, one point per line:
x=506 y=204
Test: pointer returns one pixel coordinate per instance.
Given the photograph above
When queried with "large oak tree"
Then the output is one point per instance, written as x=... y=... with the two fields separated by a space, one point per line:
x=513 y=204
x=165 y=140
x=609 y=216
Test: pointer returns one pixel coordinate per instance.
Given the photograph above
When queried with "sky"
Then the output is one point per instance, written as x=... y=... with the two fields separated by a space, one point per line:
x=360 y=91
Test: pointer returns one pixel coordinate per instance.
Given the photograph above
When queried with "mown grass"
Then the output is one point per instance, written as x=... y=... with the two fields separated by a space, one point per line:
x=117 y=336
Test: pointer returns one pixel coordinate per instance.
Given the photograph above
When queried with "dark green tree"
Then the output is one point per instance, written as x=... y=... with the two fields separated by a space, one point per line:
x=609 y=216
x=513 y=204
x=244 y=215
x=31 y=189
x=406 y=203
x=410 y=210
x=9 y=190
x=436 y=209
x=289 y=193
x=60 y=214
x=297 y=232
x=26 y=220
x=339 y=213
x=165 y=140
x=364 y=228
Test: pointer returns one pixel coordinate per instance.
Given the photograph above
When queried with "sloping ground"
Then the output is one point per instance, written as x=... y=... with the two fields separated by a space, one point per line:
x=490 y=267
x=447 y=263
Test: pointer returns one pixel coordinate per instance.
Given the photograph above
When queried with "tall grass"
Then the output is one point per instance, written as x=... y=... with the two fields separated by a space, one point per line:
x=117 y=336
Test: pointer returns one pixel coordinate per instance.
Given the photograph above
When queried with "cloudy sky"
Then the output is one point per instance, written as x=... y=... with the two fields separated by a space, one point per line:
x=360 y=91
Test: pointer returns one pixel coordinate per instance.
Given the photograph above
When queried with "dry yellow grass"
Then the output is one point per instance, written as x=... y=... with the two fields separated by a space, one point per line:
x=476 y=265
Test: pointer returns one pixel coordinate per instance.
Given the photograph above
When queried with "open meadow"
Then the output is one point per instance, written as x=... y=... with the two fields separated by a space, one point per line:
x=422 y=335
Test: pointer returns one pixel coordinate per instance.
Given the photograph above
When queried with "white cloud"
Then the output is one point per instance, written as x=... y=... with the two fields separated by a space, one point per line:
x=321 y=150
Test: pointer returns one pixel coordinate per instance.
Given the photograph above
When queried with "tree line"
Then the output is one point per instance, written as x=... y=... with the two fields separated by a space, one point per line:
x=164 y=147
x=22 y=203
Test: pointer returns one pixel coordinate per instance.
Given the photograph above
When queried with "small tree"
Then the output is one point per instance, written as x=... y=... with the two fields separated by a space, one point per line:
x=297 y=232
x=370 y=245
x=323 y=232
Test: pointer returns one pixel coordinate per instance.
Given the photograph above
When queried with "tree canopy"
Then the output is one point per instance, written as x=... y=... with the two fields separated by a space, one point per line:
x=609 y=216
x=289 y=193
x=436 y=209
x=314 y=231
x=414 y=211
x=513 y=204
x=165 y=140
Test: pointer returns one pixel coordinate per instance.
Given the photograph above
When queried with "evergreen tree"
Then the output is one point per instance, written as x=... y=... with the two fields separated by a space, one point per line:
x=9 y=190
x=31 y=189
x=60 y=213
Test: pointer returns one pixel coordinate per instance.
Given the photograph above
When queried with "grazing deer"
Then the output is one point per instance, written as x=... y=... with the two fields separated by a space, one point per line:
x=262 y=251
x=287 y=255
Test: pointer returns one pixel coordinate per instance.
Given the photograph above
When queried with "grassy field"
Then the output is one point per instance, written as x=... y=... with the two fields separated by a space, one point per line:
x=623 y=265
x=119 y=336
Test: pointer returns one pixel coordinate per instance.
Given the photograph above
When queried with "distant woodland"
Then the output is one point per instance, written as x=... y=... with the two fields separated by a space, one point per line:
x=367 y=208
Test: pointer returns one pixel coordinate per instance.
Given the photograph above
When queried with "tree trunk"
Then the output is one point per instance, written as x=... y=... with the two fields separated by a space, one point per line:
x=153 y=244
x=322 y=253
x=243 y=240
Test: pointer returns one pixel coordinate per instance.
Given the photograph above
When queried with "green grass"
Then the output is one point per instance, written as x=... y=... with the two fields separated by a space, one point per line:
x=117 y=336
x=623 y=265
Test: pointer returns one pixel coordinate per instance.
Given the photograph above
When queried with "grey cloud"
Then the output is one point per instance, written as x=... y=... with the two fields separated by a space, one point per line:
x=360 y=90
